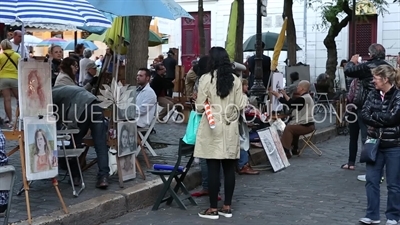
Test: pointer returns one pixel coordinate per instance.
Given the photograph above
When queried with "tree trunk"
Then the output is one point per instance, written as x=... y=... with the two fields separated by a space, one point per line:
x=138 y=52
x=290 y=32
x=239 y=33
x=330 y=44
x=331 y=61
x=200 y=24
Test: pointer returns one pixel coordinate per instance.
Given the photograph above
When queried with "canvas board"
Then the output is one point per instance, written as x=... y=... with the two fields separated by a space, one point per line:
x=270 y=149
x=127 y=138
x=279 y=146
x=277 y=84
x=303 y=70
x=341 y=78
x=126 y=110
x=41 y=155
x=127 y=167
x=34 y=88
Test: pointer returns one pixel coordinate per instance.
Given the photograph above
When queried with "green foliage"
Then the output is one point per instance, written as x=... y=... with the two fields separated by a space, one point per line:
x=333 y=11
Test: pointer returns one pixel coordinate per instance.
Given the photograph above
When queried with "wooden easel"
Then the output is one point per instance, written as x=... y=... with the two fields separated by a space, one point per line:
x=19 y=136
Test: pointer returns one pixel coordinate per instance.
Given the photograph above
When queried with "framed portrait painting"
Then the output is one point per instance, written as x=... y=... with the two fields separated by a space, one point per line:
x=127 y=138
x=270 y=149
x=279 y=146
x=34 y=88
x=127 y=167
x=126 y=110
x=41 y=156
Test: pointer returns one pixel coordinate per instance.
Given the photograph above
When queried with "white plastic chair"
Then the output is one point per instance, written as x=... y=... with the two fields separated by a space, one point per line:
x=7 y=179
x=147 y=130
x=321 y=101
x=62 y=137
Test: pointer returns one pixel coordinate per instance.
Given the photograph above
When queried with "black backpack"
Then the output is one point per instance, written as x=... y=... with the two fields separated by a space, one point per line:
x=361 y=93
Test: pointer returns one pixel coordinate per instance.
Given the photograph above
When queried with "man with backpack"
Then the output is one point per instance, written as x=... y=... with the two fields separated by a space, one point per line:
x=362 y=71
x=361 y=88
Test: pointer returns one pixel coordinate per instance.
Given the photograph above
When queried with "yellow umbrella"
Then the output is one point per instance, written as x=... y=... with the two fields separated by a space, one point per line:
x=231 y=36
x=278 y=46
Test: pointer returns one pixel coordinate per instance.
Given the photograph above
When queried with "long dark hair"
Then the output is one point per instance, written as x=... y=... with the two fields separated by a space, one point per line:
x=219 y=61
x=66 y=66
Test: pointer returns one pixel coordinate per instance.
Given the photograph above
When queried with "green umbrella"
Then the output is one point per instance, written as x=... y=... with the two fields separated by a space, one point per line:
x=154 y=39
x=269 y=40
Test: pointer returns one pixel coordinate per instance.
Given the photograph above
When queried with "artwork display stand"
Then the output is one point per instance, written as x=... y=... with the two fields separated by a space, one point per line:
x=113 y=143
x=17 y=135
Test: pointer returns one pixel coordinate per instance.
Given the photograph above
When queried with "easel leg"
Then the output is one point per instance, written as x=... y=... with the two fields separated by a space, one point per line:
x=14 y=150
x=22 y=189
x=55 y=184
x=143 y=150
x=139 y=168
x=24 y=180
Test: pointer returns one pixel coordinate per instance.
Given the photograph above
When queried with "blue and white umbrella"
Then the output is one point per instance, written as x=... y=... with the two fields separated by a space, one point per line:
x=167 y=9
x=71 y=13
x=70 y=45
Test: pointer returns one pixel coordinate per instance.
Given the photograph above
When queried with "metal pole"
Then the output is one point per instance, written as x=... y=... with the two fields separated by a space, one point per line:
x=305 y=30
x=353 y=30
x=258 y=88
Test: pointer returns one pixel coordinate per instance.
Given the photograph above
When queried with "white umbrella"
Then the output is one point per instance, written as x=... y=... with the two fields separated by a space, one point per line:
x=30 y=40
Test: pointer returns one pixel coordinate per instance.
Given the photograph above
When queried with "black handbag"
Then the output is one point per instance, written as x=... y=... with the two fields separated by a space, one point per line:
x=370 y=150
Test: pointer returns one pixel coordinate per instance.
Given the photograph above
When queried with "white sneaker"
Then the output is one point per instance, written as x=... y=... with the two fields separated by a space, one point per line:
x=369 y=221
x=391 y=222
x=361 y=178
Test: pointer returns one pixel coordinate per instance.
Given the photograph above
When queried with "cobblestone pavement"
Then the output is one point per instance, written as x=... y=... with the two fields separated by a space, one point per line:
x=313 y=190
x=43 y=197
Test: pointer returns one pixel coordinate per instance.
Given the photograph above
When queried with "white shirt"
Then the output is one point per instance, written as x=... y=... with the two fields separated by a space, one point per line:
x=146 y=101
x=18 y=48
x=98 y=63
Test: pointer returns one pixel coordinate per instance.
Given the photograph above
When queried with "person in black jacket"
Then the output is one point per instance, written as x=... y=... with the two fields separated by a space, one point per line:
x=161 y=84
x=56 y=53
x=362 y=71
x=266 y=65
x=170 y=64
x=381 y=112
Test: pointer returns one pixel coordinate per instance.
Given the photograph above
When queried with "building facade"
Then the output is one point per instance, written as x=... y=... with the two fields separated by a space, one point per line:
x=384 y=29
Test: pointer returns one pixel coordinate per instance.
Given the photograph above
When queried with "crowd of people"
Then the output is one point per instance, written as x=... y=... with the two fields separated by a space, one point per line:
x=373 y=98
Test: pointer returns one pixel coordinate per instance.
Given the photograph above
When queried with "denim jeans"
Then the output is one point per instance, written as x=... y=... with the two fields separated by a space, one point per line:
x=389 y=157
x=93 y=119
x=204 y=174
x=244 y=158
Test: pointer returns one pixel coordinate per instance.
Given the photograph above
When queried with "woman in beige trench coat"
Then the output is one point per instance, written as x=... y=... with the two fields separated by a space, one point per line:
x=223 y=90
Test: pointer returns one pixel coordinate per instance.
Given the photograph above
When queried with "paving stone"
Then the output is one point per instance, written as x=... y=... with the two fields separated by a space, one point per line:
x=313 y=190
x=43 y=198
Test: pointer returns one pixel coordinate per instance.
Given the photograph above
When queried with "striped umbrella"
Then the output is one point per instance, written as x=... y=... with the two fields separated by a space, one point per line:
x=65 y=12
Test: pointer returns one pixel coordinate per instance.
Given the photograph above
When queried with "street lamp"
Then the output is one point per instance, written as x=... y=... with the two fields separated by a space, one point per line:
x=258 y=88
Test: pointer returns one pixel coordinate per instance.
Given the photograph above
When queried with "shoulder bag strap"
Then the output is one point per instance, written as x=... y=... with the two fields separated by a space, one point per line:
x=4 y=64
x=9 y=58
